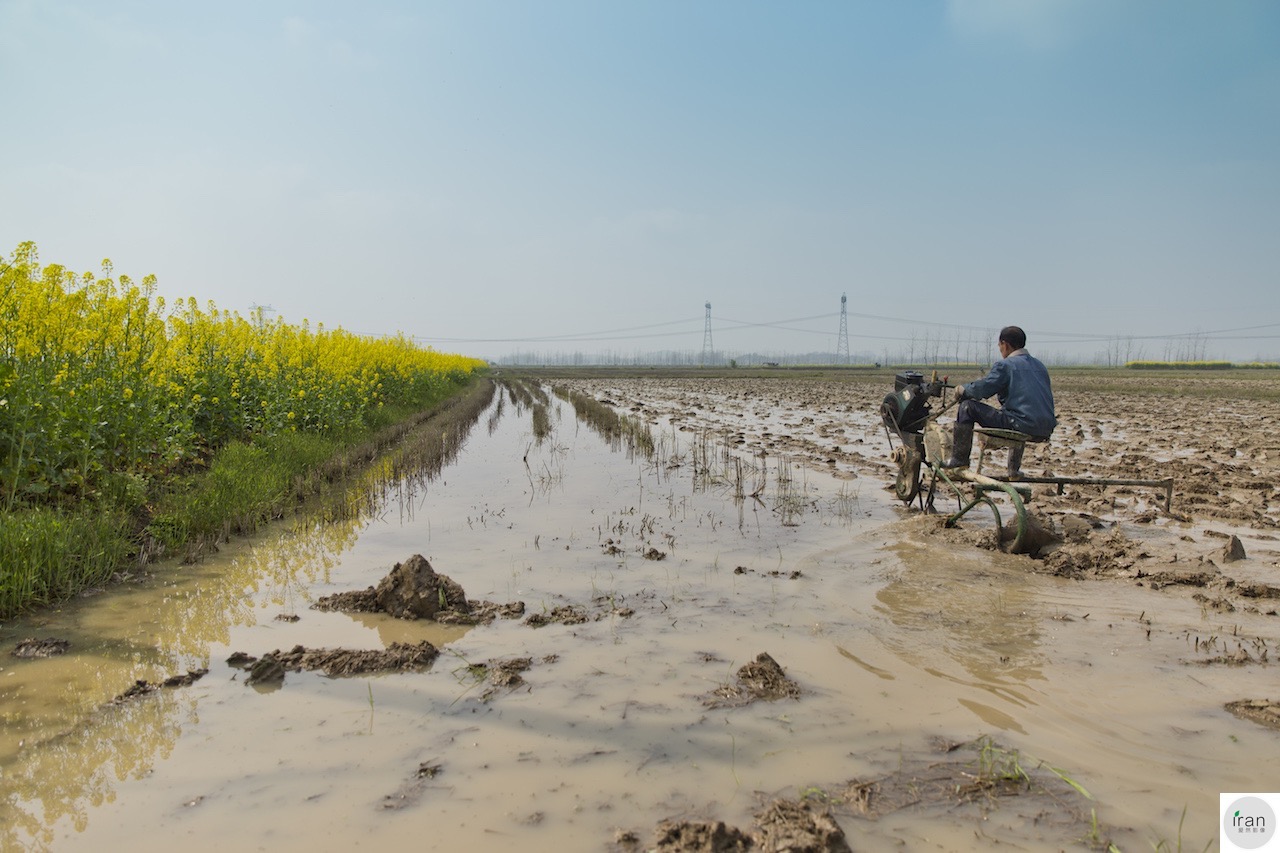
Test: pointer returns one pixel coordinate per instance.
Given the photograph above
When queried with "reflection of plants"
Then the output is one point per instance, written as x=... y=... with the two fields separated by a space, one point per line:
x=621 y=431
x=715 y=463
x=789 y=500
x=845 y=503
x=62 y=778
x=541 y=423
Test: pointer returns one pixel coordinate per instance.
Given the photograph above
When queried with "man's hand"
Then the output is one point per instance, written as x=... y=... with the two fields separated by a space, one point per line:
x=959 y=393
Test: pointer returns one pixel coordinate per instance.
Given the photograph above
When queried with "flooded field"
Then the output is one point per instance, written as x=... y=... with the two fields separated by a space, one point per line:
x=931 y=693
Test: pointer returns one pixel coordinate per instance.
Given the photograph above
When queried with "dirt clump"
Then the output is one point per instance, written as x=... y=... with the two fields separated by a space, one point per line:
x=142 y=688
x=497 y=675
x=1257 y=590
x=413 y=590
x=794 y=825
x=1265 y=712
x=976 y=775
x=567 y=614
x=482 y=613
x=398 y=657
x=46 y=648
x=1039 y=538
x=686 y=836
x=411 y=792
x=266 y=671
x=1189 y=575
x=1233 y=551
x=506 y=673
x=1076 y=529
x=763 y=679
x=1108 y=556
x=782 y=825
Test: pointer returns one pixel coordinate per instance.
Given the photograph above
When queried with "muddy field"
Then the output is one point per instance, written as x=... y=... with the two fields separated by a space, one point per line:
x=739 y=641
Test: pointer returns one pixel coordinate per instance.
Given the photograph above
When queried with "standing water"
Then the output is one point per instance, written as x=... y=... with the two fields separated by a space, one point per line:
x=909 y=657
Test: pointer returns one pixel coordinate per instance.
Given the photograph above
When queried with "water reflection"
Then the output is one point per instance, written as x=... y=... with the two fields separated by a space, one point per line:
x=77 y=770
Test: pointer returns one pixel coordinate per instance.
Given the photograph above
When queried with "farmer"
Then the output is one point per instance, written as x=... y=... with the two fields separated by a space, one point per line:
x=1021 y=383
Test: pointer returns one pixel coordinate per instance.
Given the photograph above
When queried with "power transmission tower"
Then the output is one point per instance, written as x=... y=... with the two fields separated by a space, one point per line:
x=842 y=347
x=262 y=313
x=706 y=337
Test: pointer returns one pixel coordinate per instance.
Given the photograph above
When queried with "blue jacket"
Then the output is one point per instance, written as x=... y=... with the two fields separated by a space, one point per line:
x=1021 y=383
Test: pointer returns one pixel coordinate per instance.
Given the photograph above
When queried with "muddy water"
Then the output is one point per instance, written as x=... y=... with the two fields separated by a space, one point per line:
x=896 y=640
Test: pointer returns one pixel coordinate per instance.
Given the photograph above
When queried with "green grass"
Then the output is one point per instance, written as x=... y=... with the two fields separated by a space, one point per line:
x=49 y=554
x=244 y=486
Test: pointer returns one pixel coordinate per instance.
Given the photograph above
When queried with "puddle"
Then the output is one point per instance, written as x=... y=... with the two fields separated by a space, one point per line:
x=896 y=640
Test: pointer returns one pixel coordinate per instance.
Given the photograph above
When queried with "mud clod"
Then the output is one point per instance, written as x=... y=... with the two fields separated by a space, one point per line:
x=783 y=826
x=699 y=837
x=565 y=615
x=266 y=670
x=1233 y=551
x=1076 y=529
x=506 y=673
x=1265 y=712
x=398 y=657
x=46 y=648
x=142 y=688
x=1039 y=537
x=413 y=590
x=763 y=678
x=788 y=825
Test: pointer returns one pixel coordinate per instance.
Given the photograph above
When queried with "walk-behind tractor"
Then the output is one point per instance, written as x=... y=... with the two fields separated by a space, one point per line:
x=906 y=412
x=910 y=414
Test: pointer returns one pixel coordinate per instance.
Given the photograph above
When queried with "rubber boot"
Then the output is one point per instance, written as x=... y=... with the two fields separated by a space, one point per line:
x=961 y=446
x=1015 y=461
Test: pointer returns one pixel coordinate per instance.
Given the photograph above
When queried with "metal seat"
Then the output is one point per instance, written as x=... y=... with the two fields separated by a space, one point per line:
x=991 y=438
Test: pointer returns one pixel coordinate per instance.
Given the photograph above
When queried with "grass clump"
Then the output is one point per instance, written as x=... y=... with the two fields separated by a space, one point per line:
x=50 y=553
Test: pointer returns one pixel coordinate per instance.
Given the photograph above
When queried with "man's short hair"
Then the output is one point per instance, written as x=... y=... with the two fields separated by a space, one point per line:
x=1013 y=336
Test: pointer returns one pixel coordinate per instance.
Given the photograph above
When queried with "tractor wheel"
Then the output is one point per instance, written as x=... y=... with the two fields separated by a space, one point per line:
x=907 y=483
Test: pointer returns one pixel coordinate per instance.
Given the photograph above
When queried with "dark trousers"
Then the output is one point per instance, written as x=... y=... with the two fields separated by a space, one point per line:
x=975 y=412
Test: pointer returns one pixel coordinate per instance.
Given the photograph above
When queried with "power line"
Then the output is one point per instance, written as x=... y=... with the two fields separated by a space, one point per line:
x=729 y=325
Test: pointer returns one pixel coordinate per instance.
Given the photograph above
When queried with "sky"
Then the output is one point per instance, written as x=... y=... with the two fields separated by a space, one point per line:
x=585 y=176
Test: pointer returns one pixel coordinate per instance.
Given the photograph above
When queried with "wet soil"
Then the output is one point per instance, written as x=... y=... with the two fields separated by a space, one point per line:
x=782 y=825
x=937 y=693
x=397 y=657
x=762 y=679
x=48 y=647
x=143 y=688
x=1226 y=469
x=1262 y=711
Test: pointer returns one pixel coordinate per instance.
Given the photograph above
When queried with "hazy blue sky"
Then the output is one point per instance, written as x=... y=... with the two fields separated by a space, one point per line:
x=494 y=176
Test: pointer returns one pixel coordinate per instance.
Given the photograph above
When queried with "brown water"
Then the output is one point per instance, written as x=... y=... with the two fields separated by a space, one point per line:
x=895 y=639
